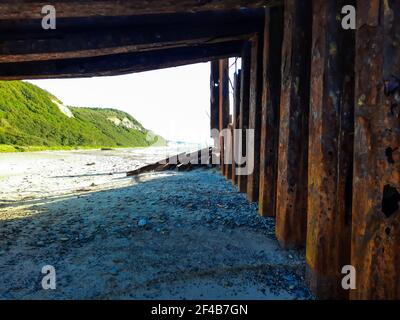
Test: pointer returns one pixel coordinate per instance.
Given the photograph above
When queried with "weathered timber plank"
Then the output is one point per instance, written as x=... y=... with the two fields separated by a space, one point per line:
x=330 y=150
x=118 y=64
x=236 y=123
x=291 y=215
x=224 y=110
x=256 y=90
x=376 y=215
x=28 y=28
x=20 y=9
x=71 y=43
x=273 y=38
x=244 y=107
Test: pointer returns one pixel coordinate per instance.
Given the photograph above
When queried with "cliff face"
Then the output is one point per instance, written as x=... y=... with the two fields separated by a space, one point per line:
x=30 y=116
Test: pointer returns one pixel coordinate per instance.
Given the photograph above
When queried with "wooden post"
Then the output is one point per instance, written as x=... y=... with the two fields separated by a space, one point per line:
x=376 y=197
x=291 y=213
x=330 y=151
x=256 y=90
x=236 y=124
x=223 y=105
x=273 y=37
x=244 y=105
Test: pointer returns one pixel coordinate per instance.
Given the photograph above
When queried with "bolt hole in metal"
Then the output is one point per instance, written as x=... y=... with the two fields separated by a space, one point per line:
x=390 y=200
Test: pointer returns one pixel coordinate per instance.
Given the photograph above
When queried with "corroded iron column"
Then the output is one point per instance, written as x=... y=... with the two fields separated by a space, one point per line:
x=244 y=106
x=376 y=215
x=256 y=89
x=330 y=161
x=223 y=106
x=291 y=215
x=236 y=120
x=273 y=37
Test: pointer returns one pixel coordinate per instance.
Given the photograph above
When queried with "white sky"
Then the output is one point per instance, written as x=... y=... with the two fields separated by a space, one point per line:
x=174 y=103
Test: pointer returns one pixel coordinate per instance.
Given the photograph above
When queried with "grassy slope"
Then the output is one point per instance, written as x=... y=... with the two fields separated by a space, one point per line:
x=30 y=121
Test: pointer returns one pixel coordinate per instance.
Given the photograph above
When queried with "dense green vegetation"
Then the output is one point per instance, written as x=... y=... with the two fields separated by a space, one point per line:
x=30 y=120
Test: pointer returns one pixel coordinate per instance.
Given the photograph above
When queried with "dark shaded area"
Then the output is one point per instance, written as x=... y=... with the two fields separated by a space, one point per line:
x=390 y=201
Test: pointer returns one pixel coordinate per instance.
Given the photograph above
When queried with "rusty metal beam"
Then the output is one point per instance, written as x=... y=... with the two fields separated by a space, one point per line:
x=256 y=90
x=244 y=106
x=330 y=150
x=119 y=64
x=291 y=215
x=273 y=38
x=23 y=9
x=376 y=188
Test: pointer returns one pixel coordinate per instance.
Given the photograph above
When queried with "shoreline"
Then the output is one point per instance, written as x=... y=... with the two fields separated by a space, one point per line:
x=25 y=149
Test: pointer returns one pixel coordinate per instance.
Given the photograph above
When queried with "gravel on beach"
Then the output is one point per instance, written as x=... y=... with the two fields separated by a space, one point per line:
x=168 y=235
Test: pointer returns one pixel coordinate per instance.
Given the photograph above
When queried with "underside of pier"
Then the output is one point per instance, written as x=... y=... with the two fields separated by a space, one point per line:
x=323 y=103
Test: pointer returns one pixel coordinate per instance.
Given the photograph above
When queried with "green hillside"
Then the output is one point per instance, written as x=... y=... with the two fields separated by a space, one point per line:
x=32 y=119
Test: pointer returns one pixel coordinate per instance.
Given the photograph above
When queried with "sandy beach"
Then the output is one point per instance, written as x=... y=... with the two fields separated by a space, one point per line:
x=169 y=235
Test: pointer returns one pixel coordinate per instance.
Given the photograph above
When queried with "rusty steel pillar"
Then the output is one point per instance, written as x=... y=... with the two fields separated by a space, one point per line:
x=376 y=196
x=223 y=106
x=214 y=95
x=256 y=90
x=273 y=37
x=236 y=120
x=244 y=106
x=291 y=215
x=330 y=152
x=214 y=98
x=228 y=166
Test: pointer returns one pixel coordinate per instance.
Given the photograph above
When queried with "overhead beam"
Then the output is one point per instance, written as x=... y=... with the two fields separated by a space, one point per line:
x=128 y=36
x=291 y=215
x=273 y=38
x=20 y=9
x=330 y=160
x=376 y=191
x=119 y=64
